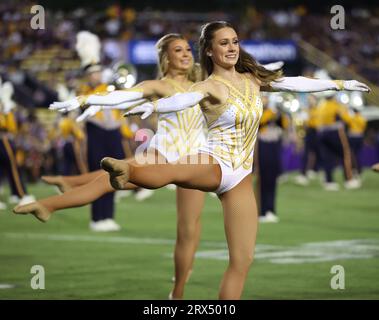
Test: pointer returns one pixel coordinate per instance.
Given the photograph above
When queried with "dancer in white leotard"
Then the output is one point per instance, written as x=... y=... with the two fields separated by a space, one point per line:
x=230 y=101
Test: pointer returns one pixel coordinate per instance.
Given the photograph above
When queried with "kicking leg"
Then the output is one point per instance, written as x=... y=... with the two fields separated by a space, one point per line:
x=198 y=171
x=75 y=197
x=240 y=220
x=65 y=183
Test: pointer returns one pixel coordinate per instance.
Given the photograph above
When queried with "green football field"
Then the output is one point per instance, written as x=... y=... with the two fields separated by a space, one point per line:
x=294 y=258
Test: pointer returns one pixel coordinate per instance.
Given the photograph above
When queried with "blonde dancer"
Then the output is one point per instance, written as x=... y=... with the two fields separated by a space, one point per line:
x=178 y=133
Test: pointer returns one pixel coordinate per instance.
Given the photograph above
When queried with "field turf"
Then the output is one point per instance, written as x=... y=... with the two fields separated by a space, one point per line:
x=317 y=230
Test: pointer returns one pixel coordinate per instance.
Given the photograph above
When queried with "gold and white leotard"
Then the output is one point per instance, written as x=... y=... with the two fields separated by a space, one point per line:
x=179 y=133
x=232 y=133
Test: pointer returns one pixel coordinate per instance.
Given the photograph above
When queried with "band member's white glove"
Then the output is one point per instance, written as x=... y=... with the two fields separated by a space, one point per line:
x=177 y=102
x=274 y=65
x=92 y=110
x=89 y=112
x=107 y=99
x=66 y=106
x=6 y=93
x=303 y=84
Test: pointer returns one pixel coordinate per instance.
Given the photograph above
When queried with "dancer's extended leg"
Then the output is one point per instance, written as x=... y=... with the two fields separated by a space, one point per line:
x=65 y=183
x=76 y=197
x=192 y=172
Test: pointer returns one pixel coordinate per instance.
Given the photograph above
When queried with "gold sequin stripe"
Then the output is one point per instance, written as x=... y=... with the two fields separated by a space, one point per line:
x=191 y=121
x=247 y=162
x=174 y=138
x=246 y=145
x=244 y=119
x=247 y=92
x=192 y=124
x=238 y=122
x=169 y=130
x=247 y=148
x=169 y=121
x=233 y=90
x=12 y=160
x=224 y=155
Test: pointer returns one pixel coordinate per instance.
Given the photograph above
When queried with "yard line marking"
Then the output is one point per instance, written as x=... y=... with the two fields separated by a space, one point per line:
x=310 y=252
x=103 y=239
x=7 y=286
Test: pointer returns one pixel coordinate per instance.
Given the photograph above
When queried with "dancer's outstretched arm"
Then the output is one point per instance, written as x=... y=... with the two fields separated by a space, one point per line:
x=198 y=93
x=304 y=84
x=128 y=97
x=174 y=103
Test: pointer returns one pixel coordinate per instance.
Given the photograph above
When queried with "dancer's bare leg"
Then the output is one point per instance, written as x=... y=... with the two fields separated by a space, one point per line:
x=189 y=205
x=75 y=197
x=198 y=171
x=240 y=220
x=65 y=183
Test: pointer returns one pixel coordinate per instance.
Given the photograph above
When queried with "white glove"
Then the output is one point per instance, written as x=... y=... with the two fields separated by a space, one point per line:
x=66 y=106
x=92 y=110
x=89 y=112
x=108 y=99
x=146 y=109
x=274 y=65
x=304 y=84
x=8 y=106
x=177 y=102
x=353 y=85
x=6 y=97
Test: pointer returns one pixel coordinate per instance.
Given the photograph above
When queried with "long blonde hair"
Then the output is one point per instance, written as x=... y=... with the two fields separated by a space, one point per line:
x=162 y=48
x=245 y=62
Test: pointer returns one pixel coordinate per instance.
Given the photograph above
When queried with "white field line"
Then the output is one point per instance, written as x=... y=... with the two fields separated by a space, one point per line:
x=102 y=239
x=310 y=252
